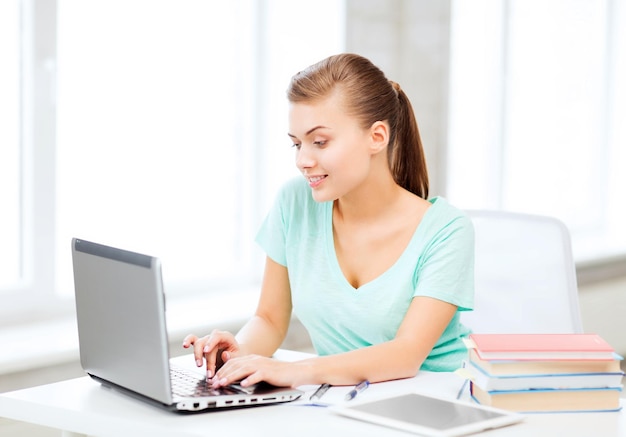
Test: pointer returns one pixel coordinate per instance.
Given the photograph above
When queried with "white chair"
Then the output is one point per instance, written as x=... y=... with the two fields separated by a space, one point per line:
x=525 y=278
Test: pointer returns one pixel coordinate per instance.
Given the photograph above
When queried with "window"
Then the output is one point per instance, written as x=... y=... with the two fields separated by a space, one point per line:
x=536 y=103
x=10 y=227
x=170 y=123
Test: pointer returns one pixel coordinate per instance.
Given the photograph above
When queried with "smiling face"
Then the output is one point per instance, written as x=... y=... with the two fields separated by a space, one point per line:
x=333 y=152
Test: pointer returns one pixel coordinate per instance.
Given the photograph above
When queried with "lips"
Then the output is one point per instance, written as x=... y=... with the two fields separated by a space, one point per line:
x=315 y=181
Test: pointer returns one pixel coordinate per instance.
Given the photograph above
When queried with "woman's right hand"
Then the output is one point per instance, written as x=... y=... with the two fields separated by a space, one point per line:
x=216 y=348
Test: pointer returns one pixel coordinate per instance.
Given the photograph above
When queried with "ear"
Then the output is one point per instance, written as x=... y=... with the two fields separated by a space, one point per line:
x=379 y=136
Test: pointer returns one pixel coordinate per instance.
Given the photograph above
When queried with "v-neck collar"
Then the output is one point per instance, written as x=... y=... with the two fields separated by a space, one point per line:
x=334 y=261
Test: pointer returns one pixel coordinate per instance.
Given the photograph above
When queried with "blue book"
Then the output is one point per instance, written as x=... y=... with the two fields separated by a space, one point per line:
x=521 y=381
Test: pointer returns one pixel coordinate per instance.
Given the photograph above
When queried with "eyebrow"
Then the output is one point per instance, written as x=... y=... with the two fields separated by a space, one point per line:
x=310 y=131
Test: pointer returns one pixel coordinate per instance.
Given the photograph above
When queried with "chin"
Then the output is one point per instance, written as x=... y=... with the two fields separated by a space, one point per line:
x=321 y=196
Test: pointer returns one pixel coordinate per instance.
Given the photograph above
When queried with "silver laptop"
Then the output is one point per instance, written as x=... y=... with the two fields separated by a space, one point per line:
x=120 y=308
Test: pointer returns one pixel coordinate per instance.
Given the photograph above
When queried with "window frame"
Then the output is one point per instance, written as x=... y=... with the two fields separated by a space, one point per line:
x=35 y=299
x=33 y=296
x=488 y=190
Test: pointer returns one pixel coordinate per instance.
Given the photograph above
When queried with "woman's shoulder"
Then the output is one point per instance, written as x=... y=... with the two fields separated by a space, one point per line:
x=442 y=214
x=297 y=209
x=443 y=207
x=295 y=184
x=295 y=199
x=294 y=189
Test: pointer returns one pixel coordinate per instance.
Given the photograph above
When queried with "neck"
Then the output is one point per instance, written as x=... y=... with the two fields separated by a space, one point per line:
x=373 y=198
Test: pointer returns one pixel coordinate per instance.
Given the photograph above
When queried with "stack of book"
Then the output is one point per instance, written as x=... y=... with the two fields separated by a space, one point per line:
x=544 y=372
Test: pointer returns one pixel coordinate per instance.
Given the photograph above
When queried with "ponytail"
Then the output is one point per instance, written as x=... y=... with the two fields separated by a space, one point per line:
x=406 y=155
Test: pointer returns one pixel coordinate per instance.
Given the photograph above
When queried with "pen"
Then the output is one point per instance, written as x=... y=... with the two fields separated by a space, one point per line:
x=460 y=393
x=320 y=391
x=357 y=389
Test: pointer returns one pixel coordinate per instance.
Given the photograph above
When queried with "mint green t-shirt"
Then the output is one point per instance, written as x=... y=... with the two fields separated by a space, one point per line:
x=438 y=262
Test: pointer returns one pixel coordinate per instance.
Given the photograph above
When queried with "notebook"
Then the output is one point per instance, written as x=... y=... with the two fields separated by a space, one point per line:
x=123 y=340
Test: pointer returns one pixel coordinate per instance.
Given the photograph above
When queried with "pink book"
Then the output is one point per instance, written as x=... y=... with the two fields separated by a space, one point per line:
x=542 y=347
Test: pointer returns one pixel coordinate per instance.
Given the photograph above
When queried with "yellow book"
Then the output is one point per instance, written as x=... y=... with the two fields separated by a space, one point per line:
x=512 y=367
x=550 y=400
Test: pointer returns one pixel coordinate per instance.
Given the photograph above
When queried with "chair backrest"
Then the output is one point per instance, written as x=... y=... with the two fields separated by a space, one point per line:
x=525 y=275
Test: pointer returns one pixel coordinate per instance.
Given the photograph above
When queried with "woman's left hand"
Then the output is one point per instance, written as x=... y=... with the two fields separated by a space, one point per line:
x=251 y=369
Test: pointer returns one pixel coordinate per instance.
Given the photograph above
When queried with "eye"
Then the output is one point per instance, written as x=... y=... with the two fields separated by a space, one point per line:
x=296 y=145
x=320 y=143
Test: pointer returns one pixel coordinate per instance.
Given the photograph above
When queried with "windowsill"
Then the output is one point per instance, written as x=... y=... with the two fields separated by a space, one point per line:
x=41 y=344
x=601 y=269
x=37 y=345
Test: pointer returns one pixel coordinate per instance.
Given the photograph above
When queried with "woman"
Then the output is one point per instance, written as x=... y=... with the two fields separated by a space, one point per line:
x=374 y=270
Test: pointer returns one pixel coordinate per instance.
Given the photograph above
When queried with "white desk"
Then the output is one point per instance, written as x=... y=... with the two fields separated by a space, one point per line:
x=83 y=407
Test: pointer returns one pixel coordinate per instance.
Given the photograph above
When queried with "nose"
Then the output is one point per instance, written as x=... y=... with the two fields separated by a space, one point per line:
x=304 y=158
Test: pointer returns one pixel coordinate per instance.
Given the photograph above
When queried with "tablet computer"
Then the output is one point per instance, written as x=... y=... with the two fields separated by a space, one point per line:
x=428 y=415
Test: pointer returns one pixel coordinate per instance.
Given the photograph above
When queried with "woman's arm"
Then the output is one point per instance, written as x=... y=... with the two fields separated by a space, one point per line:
x=261 y=335
x=264 y=333
x=401 y=357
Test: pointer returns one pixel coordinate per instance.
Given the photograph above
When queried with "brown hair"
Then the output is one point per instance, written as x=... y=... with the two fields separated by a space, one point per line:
x=370 y=96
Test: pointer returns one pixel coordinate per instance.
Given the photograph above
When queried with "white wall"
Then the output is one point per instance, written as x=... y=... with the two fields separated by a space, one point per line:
x=410 y=41
x=603 y=311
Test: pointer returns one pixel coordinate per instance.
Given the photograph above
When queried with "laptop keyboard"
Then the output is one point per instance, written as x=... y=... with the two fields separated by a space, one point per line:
x=186 y=383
